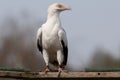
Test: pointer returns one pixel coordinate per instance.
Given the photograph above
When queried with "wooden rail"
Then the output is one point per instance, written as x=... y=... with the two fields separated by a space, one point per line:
x=38 y=75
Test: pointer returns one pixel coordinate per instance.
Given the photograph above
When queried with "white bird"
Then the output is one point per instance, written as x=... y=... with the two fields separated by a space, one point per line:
x=52 y=40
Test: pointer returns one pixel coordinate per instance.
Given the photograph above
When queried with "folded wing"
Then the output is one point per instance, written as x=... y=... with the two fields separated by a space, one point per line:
x=64 y=44
x=39 y=39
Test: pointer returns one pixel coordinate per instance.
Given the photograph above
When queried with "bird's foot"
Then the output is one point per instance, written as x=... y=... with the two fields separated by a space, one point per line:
x=47 y=69
x=60 y=69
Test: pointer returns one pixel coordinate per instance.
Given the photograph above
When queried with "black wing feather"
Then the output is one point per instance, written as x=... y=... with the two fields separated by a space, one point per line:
x=65 y=51
x=39 y=44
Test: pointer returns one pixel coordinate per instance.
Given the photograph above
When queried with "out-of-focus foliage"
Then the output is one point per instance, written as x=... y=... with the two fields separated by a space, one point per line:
x=18 y=44
x=103 y=59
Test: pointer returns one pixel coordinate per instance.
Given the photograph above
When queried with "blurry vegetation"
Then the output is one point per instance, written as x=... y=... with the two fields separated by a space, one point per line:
x=104 y=59
x=18 y=40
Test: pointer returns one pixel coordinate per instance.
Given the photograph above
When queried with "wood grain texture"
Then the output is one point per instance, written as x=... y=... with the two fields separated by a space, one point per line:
x=37 y=75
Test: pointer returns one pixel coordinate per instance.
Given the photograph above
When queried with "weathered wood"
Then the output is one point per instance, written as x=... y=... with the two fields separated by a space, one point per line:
x=37 y=75
x=102 y=69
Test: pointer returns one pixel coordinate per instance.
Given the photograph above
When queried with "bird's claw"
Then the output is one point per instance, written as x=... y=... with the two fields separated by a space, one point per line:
x=59 y=71
x=47 y=69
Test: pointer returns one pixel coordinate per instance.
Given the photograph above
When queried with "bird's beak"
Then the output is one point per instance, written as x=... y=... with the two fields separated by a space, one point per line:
x=67 y=8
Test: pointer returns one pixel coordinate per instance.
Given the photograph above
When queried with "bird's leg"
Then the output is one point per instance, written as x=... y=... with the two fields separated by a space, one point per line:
x=60 y=60
x=60 y=68
x=47 y=69
x=46 y=58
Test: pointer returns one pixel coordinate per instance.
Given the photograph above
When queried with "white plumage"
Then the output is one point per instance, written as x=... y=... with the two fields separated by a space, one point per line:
x=51 y=38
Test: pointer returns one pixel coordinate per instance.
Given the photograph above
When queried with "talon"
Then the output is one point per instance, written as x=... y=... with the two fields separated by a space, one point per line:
x=59 y=71
x=47 y=69
x=60 y=68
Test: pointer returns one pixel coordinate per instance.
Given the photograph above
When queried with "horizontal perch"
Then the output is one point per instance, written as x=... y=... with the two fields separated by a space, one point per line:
x=37 y=75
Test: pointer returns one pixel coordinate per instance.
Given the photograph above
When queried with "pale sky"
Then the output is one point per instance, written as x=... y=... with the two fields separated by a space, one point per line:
x=90 y=24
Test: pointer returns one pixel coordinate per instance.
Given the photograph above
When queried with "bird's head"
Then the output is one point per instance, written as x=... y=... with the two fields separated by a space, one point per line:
x=58 y=7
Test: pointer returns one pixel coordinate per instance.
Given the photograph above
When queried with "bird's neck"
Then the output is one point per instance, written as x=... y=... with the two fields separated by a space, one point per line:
x=53 y=17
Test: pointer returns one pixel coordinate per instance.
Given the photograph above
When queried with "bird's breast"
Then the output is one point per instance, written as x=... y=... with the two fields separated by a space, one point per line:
x=50 y=40
x=50 y=36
